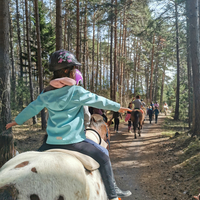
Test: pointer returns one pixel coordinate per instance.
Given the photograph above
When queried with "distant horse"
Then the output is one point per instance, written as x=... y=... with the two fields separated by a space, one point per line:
x=55 y=174
x=137 y=118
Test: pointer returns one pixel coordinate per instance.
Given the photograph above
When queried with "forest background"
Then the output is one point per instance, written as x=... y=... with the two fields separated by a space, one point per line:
x=126 y=48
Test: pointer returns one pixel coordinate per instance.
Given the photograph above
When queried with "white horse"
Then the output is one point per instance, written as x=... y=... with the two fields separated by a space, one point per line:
x=52 y=175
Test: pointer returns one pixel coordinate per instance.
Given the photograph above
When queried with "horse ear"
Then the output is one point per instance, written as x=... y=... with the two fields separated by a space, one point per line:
x=97 y=118
x=92 y=118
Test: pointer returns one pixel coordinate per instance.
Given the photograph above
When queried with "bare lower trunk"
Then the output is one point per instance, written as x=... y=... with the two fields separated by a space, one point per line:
x=6 y=138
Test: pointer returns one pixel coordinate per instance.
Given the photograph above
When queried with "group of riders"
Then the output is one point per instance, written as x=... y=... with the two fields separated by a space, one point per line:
x=152 y=110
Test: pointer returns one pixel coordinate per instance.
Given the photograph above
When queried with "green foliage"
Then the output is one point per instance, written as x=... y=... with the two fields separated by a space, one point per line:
x=47 y=35
x=21 y=91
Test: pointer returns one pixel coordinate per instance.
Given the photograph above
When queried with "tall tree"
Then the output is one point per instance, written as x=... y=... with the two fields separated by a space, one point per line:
x=20 y=96
x=189 y=67
x=58 y=24
x=77 y=30
x=151 y=77
x=13 y=81
x=193 y=38
x=84 y=48
x=111 y=52
x=176 y=116
x=39 y=61
x=115 y=56
x=29 y=56
x=6 y=137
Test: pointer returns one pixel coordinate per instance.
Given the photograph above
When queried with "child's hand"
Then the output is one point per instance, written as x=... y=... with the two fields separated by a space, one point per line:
x=9 y=125
x=122 y=110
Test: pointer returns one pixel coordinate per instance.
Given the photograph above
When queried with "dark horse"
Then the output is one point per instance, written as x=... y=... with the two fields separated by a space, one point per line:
x=137 y=119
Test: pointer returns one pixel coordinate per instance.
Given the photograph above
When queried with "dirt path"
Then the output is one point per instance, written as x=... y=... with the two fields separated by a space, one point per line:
x=132 y=160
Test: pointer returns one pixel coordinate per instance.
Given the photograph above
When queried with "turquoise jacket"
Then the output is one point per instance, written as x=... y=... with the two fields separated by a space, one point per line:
x=66 y=114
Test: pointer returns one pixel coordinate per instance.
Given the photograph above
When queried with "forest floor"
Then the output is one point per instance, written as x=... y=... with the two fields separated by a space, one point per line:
x=159 y=165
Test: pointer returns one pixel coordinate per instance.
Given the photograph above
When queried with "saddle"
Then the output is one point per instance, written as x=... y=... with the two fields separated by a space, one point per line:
x=88 y=162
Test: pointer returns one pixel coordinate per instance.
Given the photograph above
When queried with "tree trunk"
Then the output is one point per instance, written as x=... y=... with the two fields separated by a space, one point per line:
x=162 y=86
x=13 y=81
x=111 y=52
x=58 y=24
x=20 y=97
x=151 y=77
x=135 y=64
x=93 y=40
x=122 y=62
x=100 y=75
x=178 y=66
x=85 y=69
x=189 y=68
x=193 y=38
x=29 y=56
x=39 y=58
x=65 y=28
x=6 y=137
x=115 y=56
x=77 y=30
x=97 y=69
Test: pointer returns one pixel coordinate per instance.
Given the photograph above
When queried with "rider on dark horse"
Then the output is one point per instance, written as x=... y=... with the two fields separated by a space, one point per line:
x=137 y=115
x=138 y=104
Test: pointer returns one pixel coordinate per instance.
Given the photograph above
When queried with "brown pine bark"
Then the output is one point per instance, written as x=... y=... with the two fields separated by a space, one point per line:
x=111 y=52
x=39 y=59
x=93 y=40
x=135 y=64
x=20 y=97
x=176 y=116
x=189 y=67
x=77 y=30
x=97 y=69
x=58 y=24
x=162 y=86
x=29 y=56
x=151 y=77
x=85 y=69
x=115 y=56
x=65 y=27
x=6 y=137
x=193 y=38
x=13 y=81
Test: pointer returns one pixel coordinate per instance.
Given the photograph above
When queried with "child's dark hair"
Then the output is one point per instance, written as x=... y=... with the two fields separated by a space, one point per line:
x=61 y=73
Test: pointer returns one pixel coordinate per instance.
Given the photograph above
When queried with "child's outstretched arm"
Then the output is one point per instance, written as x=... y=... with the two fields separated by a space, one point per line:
x=122 y=110
x=9 y=125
